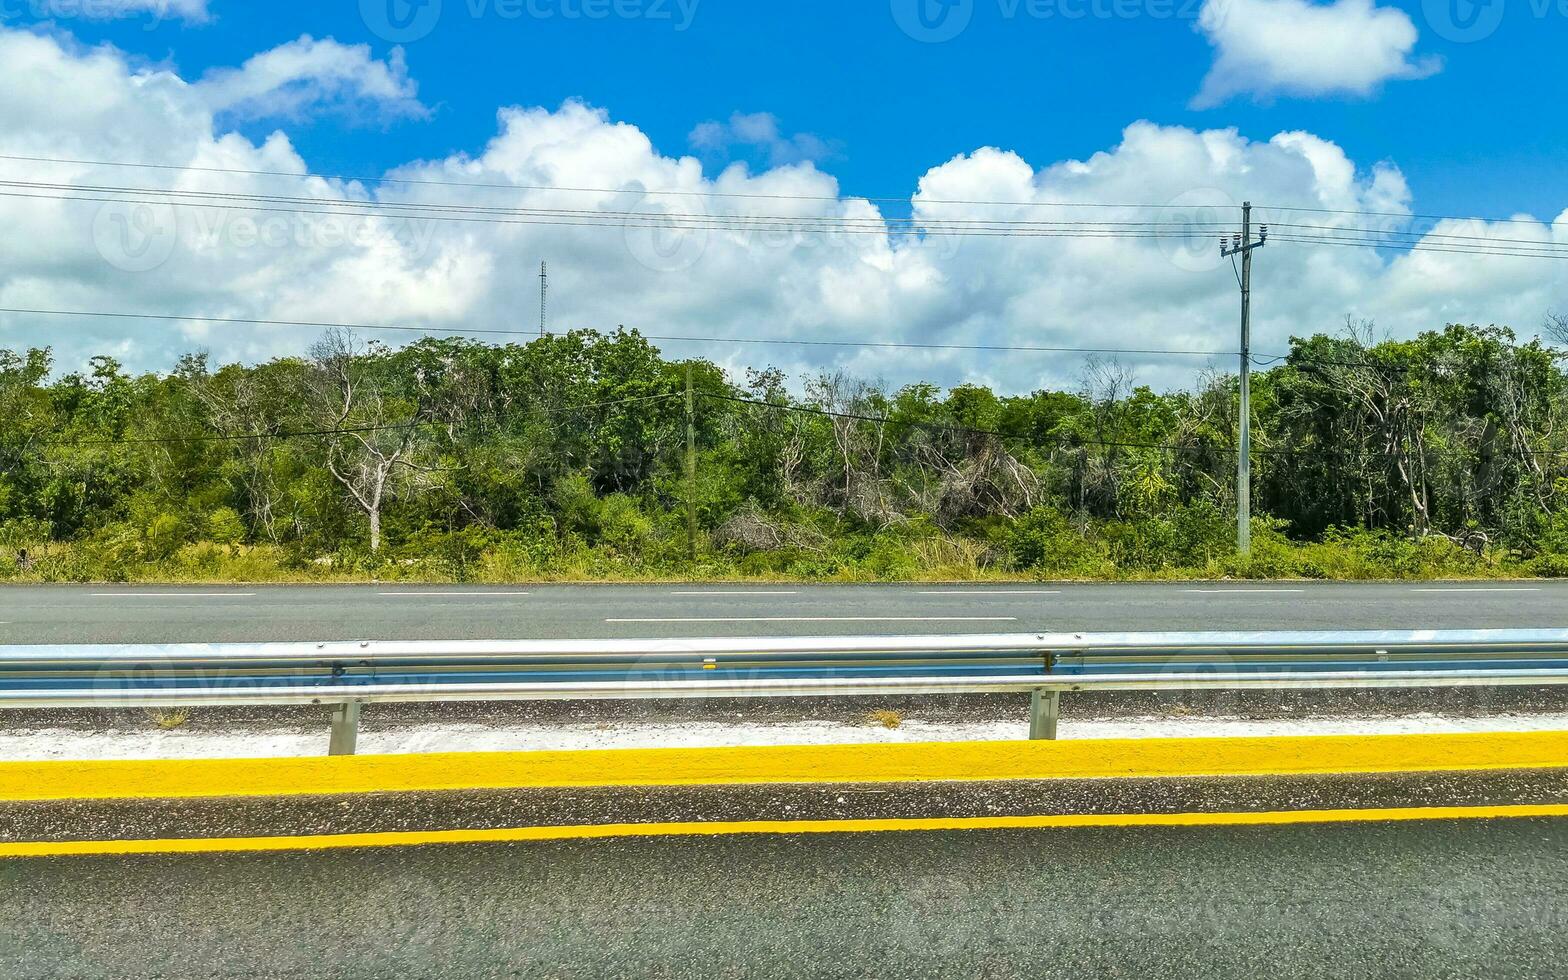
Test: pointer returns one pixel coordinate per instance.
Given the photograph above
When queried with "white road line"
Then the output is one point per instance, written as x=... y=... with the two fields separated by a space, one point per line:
x=733 y=593
x=173 y=595
x=405 y=595
x=1475 y=590
x=985 y=592
x=831 y=619
x=1244 y=591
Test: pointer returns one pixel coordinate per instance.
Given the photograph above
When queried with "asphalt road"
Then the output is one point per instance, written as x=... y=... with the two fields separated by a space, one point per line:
x=100 y=614
x=1457 y=899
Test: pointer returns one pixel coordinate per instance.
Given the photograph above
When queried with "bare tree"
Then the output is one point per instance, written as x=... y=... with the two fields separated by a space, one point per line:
x=859 y=440
x=1104 y=387
x=1394 y=413
x=244 y=410
x=372 y=441
x=1556 y=327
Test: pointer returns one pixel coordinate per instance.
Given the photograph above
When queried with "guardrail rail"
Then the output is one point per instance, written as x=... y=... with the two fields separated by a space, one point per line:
x=1044 y=665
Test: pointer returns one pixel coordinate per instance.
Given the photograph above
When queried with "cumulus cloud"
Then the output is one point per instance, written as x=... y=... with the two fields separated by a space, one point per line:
x=309 y=76
x=1303 y=48
x=679 y=275
x=758 y=131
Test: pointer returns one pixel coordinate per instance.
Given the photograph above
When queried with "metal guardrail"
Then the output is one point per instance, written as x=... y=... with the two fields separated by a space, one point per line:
x=1045 y=665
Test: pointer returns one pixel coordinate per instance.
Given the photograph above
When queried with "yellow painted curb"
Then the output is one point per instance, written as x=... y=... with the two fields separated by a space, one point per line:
x=329 y=842
x=948 y=761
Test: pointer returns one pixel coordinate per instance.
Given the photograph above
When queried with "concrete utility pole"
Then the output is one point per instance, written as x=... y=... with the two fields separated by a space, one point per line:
x=544 y=292
x=691 y=468
x=1244 y=246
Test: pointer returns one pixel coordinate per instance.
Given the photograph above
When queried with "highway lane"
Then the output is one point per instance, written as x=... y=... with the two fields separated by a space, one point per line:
x=104 y=614
x=1455 y=899
x=1439 y=856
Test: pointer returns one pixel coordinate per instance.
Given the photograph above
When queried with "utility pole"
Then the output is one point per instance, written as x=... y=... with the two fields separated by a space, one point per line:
x=1244 y=246
x=544 y=292
x=691 y=468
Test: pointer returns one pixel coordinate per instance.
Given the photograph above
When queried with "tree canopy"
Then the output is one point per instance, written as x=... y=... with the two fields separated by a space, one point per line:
x=568 y=452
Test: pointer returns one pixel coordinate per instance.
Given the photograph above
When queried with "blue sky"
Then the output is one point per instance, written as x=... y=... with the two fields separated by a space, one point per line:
x=1485 y=135
x=1372 y=111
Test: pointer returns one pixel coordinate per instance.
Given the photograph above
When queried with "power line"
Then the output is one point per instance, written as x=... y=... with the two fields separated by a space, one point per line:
x=1071 y=442
x=178 y=195
x=319 y=433
x=663 y=221
x=767 y=224
x=1261 y=359
x=239 y=436
x=805 y=223
x=1405 y=215
x=670 y=192
x=501 y=331
x=496 y=185
x=880 y=226
x=1401 y=236
x=659 y=220
x=667 y=192
x=1518 y=253
x=1078 y=443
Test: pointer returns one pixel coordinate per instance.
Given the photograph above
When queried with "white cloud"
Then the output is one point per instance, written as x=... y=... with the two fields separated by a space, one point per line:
x=309 y=76
x=1037 y=290
x=1302 y=48
x=759 y=131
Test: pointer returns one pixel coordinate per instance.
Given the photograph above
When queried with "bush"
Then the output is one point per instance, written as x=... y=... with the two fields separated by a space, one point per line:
x=891 y=560
x=1554 y=565
x=163 y=536
x=225 y=526
x=1042 y=541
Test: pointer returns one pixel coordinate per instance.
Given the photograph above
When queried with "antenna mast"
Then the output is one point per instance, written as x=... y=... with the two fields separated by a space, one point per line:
x=544 y=293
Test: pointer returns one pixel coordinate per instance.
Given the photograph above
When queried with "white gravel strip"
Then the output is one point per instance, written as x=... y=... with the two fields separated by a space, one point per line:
x=56 y=744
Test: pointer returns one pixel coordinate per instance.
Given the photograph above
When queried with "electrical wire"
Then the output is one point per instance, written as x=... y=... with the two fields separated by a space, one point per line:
x=176 y=195
x=319 y=433
x=581 y=190
x=1076 y=443
x=501 y=331
x=658 y=221
x=1403 y=215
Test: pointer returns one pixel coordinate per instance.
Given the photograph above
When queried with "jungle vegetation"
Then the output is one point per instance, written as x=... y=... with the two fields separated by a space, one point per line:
x=566 y=458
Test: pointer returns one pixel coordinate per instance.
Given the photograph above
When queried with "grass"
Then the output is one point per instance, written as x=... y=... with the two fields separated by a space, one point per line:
x=1359 y=556
x=170 y=719
x=891 y=720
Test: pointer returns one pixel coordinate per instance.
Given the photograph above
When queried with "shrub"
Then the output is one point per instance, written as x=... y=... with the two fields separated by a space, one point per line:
x=225 y=526
x=1042 y=541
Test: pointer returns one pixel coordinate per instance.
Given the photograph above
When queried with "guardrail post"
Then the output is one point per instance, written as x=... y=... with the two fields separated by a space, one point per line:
x=1045 y=710
x=345 y=729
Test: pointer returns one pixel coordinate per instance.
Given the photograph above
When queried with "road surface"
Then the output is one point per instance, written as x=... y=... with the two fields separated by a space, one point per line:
x=117 y=614
x=1428 y=856
x=1453 y=898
